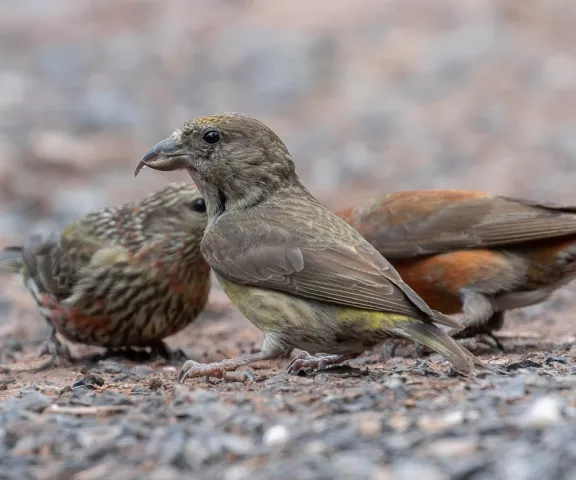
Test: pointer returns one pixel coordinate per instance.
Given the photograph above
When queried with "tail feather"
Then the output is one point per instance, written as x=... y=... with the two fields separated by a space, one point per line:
x=435 y=339
x=11 y=260
x=446 y=320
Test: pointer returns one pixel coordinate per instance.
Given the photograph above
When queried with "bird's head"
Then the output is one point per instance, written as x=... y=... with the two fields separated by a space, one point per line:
x=235 y=160
x=177 y=208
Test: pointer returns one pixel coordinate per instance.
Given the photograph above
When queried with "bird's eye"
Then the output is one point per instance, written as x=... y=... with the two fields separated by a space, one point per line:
x=198 y=205
x=211 y=137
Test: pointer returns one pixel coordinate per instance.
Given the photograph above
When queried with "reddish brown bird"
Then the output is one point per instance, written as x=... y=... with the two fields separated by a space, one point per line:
x=472 y=252
x=122 y=276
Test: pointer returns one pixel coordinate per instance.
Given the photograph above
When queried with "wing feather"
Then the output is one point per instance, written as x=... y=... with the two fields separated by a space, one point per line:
x=427 y=222
x=312 y=254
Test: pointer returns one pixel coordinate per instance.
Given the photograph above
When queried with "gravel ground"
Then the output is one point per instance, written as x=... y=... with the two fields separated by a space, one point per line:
x=380 y=418
x=414 y=421
x=369 y=96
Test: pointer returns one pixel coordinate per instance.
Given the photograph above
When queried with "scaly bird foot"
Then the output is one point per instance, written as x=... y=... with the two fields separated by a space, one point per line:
x=306 y=361
x=221 y=370
x=479 y=332
x=478 y=328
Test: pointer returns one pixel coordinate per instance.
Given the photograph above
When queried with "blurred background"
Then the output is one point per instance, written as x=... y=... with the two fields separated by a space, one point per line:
x=370 y=96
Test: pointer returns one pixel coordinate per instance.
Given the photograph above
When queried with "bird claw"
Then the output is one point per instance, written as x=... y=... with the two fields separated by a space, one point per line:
x=482 y=343
x=53 y=347
x=483 y=335
x=495 y=341
x=192 y=369
x=304 y=361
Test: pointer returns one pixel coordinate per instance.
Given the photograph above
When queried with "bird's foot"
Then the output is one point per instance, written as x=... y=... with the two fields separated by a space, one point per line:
x=482 y=329
x=172 y=355
x=56 y=349
x=223 y=370
x=304 y=361
x=485 y=335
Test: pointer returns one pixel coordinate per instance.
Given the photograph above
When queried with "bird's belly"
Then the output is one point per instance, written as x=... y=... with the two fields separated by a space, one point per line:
x=132 y=327
x=307 y=324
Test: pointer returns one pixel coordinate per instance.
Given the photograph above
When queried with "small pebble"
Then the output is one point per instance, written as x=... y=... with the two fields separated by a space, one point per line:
x=155 y=383
x=277 y=435
x=317 y=447
x=457 y=447
x=411 y=470
x=110 y=397
x=34 y=402
x=353 y=465
x=556 y=359
x=110 y=367
x=369 y=425
x=50 y=389
x=139 y=390
x=399 y=423
x=440 y=422
x=544 y=412
x=238 y=473
x=522 y=364
x=91 y=381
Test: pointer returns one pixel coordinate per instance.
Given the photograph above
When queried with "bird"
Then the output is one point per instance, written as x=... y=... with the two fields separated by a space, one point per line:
x=472 y=252
x=121 y=276
x=297 y=271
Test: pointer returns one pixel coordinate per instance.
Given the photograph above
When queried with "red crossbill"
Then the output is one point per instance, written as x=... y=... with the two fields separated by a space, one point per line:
x=122 y=276
x=297 y=271
x=472 y=251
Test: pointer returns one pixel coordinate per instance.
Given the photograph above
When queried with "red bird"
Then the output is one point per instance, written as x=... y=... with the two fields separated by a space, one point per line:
x=472 y=252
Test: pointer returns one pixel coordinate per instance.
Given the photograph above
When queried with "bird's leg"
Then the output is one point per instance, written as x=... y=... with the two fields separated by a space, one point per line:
x=172 y=355
x=305 y=360
x=52 y=312
x=479 y=317
x=495 y=322
x=52 y=346
x=224 y=369
x=477 y=309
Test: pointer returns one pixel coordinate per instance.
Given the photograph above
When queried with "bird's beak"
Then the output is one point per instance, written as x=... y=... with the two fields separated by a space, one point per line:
x=166 y=156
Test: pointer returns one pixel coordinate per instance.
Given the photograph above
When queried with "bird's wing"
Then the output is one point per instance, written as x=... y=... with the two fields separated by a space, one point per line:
x=120 y=280
x=426 y=222
x=54 y=262
x=298 y=247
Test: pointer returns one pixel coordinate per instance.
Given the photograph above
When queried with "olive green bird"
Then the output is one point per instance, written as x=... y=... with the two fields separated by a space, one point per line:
x=123 y=276
x=298 y=272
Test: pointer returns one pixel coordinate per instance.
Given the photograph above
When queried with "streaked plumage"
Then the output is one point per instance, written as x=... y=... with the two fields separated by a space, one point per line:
x=122 y=276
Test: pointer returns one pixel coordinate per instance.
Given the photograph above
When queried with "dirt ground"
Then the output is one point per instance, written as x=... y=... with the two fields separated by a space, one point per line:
x=382 y=417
